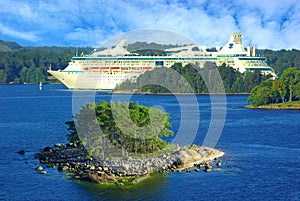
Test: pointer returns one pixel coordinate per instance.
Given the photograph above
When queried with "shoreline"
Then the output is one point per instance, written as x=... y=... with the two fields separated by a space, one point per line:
x=294 y=105
x=131 y=92
x=271 y=108
x=191 y=94
x=125 y=171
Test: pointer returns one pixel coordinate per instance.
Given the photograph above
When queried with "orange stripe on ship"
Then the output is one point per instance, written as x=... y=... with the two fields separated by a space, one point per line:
x=147 y=68
x=115 y=68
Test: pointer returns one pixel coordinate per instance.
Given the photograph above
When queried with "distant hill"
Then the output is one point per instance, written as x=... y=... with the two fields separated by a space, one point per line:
x=134 y=47
x=61 y=50
x=143 y=46
x=9 y=46
x=281 y=59
x=137 y=46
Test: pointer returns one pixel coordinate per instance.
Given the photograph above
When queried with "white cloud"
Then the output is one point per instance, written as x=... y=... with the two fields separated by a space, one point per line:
x=17 y=34
x=265 y=23
x=86 y=36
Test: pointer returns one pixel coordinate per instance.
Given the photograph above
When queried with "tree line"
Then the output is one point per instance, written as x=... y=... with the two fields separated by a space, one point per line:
x=286 y=88
x=281 y=59
x=194 y=79
x=130 y=127
x=29 y=64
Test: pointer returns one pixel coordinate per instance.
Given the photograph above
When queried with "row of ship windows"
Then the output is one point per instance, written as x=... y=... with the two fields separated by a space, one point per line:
x=108 y=80
x=226 y=61
x=128 y=64
x=130 y=71
x=138 y=59
x=256 y=63
x=102 y=77
x=231 y=55
x=124 y=64
x=264 y=69
x=255 y=58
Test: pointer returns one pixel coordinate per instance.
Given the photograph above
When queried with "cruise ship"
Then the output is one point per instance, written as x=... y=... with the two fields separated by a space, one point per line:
x=104 y=69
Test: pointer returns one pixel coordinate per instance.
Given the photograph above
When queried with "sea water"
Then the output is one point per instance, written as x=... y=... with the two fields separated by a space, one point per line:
x=262 y=160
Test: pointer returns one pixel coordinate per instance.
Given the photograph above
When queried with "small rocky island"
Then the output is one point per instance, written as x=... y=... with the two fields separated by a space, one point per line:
x=82 y=166
x=123 y=143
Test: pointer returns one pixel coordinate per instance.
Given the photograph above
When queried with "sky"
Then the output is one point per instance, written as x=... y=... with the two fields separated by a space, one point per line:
x=272 y=24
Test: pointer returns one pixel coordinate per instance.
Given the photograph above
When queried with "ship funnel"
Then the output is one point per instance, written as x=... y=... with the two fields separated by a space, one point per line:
x=251 y=51
x=234 y=44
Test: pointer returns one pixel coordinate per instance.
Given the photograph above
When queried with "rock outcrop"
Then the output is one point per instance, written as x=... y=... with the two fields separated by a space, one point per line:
x=76 y=160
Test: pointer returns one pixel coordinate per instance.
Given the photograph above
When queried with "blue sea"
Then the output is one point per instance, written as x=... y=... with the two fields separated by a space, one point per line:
x=262 y=147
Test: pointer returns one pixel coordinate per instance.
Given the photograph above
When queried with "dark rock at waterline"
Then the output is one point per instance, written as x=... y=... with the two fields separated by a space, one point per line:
x=208 y=168
x=58 y=145
x=48 y=149
x=21 y=152
x=71 y=145
x=43 y=159
x=76 y=160
x=237 y=107
x=97 y=178
x=62 y=168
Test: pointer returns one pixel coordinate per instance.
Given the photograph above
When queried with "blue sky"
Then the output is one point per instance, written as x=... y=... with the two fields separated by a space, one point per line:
x=273 y=24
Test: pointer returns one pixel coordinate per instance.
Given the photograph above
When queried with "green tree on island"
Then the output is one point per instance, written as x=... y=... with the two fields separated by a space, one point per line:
x=3 y=76
x=290 y=77
x=297 y=90
x=276 y=91
x=280 y=88
x=262 y=94
x=107 y=126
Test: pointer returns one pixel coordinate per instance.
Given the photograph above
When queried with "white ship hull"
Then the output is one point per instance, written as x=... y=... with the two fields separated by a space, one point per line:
x=81 y=80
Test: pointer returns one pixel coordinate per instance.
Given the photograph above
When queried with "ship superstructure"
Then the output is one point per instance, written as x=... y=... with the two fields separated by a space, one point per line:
x=104 y=69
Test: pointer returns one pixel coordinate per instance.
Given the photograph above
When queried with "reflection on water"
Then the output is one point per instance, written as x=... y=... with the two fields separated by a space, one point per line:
x=140 y=191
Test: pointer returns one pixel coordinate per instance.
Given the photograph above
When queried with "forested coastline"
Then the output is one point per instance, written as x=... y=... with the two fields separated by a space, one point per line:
x=29 y=65
x=194 y=79
x=285 y=89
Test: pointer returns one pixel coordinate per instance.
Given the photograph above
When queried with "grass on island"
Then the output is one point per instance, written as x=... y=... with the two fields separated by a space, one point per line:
x=288 y=104
x=285 y=105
